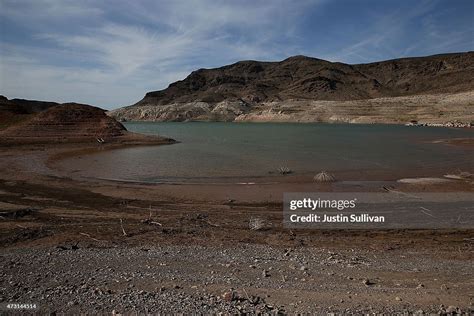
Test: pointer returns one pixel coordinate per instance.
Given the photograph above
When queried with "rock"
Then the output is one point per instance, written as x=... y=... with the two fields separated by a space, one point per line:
x=398 y=298
x=265 y=274
x=453 y=310
x=367 y=282
x=229 y=296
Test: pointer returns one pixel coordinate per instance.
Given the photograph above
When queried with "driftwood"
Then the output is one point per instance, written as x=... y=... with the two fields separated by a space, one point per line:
x=150 y=220
x=87 y=235
x=426 y=211
x=212 y=224
x=258 y=223
x=246 y=294
x=123 y=229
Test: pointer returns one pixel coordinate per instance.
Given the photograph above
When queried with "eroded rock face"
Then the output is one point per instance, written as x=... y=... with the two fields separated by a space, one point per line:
x=66 y=122
x=225 y=111
x=250 y=87
x=431 y=108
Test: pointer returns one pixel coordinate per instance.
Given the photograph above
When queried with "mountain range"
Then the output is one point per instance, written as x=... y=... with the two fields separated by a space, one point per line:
x=433 y=88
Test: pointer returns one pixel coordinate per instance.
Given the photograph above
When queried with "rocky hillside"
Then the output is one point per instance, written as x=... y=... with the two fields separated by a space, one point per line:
x=24 y=106
x=15 y=110
x=62 y=123
x=297 y=87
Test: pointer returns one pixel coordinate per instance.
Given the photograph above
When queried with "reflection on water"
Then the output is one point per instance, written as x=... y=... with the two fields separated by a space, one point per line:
x=256 y=150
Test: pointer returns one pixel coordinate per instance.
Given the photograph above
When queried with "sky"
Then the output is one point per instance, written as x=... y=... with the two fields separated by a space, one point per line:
x=109 y=53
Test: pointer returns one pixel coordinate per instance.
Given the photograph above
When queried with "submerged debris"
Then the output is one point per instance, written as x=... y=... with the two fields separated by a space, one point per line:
x=460 y=175
x=284 y=170
x=323 y=176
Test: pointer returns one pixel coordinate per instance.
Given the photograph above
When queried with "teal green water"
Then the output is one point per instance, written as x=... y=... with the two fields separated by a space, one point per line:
x=255 y=150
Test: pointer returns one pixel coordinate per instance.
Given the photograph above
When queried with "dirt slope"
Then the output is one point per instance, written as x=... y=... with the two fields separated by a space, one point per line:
x=65 y=122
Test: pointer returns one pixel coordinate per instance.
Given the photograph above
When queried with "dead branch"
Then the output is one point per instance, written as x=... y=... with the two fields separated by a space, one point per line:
x=87 y=235
x=212 y=224
x=123 y=229
x=426 y=211
x=246 y=294
x=400 y=192
x=150 y=220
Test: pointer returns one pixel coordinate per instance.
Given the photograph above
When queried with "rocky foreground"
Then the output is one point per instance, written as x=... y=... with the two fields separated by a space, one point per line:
x=433 y=89
x=241 y=279
x=100 y=247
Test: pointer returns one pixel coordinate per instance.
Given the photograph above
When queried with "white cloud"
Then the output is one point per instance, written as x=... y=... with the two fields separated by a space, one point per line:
x=112 y=62
x=123 y=49
x=383 y=33
x=48 y=9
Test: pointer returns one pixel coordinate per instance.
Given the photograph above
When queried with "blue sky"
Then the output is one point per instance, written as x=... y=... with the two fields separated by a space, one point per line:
x=110 y=53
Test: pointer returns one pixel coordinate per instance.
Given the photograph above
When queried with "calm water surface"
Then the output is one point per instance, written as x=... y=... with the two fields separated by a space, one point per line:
x=221 y=151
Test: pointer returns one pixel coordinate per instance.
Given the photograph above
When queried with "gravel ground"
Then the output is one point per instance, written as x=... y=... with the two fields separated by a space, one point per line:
x=242 y=279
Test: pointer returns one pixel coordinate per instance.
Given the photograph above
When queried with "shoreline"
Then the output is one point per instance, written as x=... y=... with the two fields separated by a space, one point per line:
x=347 y=179
x=126 y=139
x=270 y=177
x=421 y=125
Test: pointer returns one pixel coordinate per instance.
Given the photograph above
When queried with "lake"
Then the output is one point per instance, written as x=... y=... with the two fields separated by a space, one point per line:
x=233 y=152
